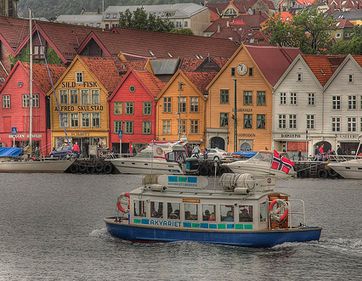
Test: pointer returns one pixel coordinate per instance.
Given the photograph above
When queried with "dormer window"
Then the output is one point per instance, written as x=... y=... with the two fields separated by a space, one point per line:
x=230 y=12
x=79 y=77
x=300 y=77
x=350 y=78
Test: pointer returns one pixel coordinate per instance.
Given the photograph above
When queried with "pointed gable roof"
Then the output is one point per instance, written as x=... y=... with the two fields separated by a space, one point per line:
x=13 y=31
x=104 y=69
x=323 y=66
x=358 y=59
x=272 y=61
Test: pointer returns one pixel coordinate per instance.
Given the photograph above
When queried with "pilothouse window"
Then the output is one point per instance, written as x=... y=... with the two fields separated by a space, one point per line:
x=208 y=212
x=139 y=208
x=157 y=209
x=191 y=212
x=173 y=211
x=227 y=212
x=245 y=213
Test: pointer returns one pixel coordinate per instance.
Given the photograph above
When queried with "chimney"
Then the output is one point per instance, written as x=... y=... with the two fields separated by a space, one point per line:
x=218 y=28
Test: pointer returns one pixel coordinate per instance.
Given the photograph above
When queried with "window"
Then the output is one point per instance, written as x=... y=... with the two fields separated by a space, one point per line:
x=117 y=126
x=63 y=120
x=224 y=96
x=248 y=119
x=245 y=213
x=63 y=96
x=173 y=211
x=283 y=98
x=230 y=12
x=156 y=209
x=194 y=127
x=146 y=128
x=139 y=209
x=79 y=77
x=351 y=124
x=85 y=120
x=299 y=77
x=118 y=106
x=129 y=108
x=361 y=124
x=336 y=124
x=292 y=121
x=352 y=102
x=293 y=98
x=260 y=121
x=84 y=94
x=248 y=98
x=182 y=104
x=232 y=71
x=166 y=127
x=167 y=104
x=227 y=213
x=263 y=211
x=260 y=98
x=190 y=212
x=336 y=102
x=39 y=52
x=208 y=212
x=310 y=121
x=282 y=121
x=25 y=100
x=186 y=24
x=311 y=99
x=35 y=100
x=95 y=96
x=224 y=119
x=182 y=126
x=6 y=101
x=147 y=108
x=350 y=78
x=128 y=127
x=73 y=96
x=194 y=105
x=96 y=119
x=251 y=71
x=74 y=121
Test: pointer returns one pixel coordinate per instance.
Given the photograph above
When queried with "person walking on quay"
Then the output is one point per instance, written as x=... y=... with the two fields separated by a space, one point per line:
x=339 y=150
x=76 y=149
x=299 y=155
x=316 y=153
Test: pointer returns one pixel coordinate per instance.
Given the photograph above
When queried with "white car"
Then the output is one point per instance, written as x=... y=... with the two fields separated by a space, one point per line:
x=217 y=154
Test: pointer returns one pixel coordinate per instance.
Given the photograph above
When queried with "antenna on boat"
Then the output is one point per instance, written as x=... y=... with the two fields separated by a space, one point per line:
x=30 y=84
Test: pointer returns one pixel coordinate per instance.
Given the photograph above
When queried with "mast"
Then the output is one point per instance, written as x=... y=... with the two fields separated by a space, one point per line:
x=30 y=84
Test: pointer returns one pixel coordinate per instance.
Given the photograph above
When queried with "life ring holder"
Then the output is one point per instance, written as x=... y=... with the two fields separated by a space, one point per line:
x=121 y=206
x=276 y=207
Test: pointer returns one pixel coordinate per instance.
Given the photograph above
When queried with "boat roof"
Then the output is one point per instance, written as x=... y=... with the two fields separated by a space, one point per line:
x=10 y=151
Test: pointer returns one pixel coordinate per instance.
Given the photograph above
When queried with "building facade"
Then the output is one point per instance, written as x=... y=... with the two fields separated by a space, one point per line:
x=133 y=111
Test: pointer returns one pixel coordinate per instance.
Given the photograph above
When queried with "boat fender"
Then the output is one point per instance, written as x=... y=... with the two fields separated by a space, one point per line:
x=74 y=168
x=99 y=167
x=123 y=202
x=241 y=190
x=278 y=210
x=108 y=168
x=82 y=168
x=322 y=174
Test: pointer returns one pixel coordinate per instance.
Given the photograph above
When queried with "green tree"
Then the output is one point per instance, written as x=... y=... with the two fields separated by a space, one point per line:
x=352 y=46
x=139 y=19
x=282 y=33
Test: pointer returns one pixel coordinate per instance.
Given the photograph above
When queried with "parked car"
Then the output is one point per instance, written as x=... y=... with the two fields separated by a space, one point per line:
x=62 y=152
x=218 y=154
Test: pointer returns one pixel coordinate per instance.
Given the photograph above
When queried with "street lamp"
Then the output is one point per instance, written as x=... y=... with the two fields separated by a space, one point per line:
x=235 y=111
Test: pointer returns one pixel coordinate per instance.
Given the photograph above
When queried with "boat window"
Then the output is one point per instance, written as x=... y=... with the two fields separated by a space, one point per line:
x=263 y=211
x=191 y=212
x=245 y=213
x=173 y=211
x=139 y=208
x=156 y=209
x=227 y=212
x=208 y=212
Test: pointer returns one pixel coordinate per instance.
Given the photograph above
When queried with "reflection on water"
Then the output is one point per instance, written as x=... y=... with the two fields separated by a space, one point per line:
x=51 y=228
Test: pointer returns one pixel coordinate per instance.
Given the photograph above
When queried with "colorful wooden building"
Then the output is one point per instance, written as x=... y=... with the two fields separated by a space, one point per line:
x=133 y=110
x=15 y=102
x=79 y=107
x=249 y=76
x=181 y=107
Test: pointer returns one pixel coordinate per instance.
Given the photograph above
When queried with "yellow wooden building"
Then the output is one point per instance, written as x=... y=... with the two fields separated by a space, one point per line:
x=79 y=106
x=248 y=76
x=181 y=107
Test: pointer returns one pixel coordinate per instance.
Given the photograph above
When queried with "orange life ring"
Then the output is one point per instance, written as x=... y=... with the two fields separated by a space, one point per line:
x=122 y=205
x=275 y=208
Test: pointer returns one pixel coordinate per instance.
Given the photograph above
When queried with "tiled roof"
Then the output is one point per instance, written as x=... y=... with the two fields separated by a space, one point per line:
x=163 y=45
x=306 y=2
x=193 y=64
x=344 y=5
x=343 y=23
x=272 y=61
x=151 y=82
x=41 y=76
x=14 y=31
x=284 y=16
x=104 y=69
x=323 y=66
x=358 y=59
x=200 y=79
x=355 y=14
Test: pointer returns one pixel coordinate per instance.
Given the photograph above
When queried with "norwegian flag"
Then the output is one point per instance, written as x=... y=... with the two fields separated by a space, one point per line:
x=281 y=163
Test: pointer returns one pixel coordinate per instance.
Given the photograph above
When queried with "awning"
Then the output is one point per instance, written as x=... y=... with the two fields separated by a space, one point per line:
x=10 y=151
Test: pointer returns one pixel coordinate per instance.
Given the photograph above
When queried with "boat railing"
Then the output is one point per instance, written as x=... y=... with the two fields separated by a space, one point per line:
x=343 y=158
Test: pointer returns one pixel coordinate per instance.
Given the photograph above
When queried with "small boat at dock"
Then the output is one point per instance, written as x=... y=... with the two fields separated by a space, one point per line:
x=243 y=211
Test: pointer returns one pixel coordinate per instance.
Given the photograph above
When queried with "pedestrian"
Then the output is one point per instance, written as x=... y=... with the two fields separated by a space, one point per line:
x=299 y=155
x=316 y=153
x=339 y=150
x=76 y=149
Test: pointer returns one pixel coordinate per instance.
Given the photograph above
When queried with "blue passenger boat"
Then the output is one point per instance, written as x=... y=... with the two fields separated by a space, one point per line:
x=243 y=211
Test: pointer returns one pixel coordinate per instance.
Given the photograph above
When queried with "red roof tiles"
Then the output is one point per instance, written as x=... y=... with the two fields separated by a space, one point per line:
x=358 y=59
x=200 y=79
x=323 y=66
x=13 y=31
x=272 y=61
x=151 y=82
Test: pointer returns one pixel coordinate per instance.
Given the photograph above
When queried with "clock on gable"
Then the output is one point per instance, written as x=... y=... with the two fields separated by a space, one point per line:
x=242 y=69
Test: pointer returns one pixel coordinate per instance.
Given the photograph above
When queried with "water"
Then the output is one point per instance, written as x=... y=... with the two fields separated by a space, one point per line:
x=51 y=228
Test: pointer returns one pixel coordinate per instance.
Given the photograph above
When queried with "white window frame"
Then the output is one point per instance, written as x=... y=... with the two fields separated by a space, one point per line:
x=79 y=77
x=6 y=101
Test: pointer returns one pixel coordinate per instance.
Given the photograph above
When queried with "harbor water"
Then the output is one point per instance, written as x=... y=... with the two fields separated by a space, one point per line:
x=51 y=228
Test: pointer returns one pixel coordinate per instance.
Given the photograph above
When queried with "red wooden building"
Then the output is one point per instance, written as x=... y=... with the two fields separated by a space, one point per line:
x=132 y=109
x=14 y=109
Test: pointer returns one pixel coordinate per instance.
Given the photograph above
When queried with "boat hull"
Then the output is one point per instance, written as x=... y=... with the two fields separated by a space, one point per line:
x=146 y=167
x=257 y=239
x=46 y=166
x=351 y=169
